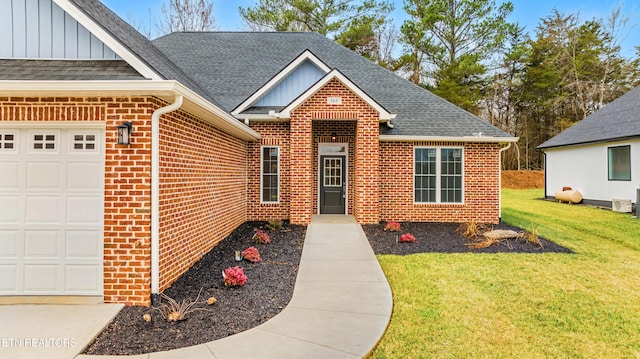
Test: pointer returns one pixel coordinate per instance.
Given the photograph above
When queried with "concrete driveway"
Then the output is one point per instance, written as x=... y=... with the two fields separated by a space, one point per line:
x=51 y=331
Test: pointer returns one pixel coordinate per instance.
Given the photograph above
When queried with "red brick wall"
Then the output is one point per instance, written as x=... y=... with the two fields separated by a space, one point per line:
x=273 y=134
x=203 y=183
x=481 y=185
x=315 y=108
x=127 y=182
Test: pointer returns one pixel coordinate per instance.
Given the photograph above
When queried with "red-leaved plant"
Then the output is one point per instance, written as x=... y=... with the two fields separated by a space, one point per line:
x=234 y=277
x=392 y=226
x=251 y=254
x=261 y=237
x=407 y=237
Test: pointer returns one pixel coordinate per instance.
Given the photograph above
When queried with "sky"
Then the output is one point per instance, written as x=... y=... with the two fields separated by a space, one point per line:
x=526 y=13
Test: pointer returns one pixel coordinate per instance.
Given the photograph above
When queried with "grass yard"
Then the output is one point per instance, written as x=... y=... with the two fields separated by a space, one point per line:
x=582 y=305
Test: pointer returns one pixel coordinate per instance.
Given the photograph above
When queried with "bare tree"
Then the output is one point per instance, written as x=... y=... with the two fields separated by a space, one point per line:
x=187 y=15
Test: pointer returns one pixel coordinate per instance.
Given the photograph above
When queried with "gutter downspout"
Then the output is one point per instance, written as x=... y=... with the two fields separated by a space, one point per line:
x=155 y=196
x=500 y=180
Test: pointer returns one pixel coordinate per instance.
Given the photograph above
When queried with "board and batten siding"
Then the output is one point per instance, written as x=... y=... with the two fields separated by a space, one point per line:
x=298 y=81
x=40 y=29
x=585 y=168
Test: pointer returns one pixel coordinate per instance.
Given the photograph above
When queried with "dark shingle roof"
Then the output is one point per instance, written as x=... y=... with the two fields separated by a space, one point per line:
x=66 y=70
x=619 y=119
x=231 y=66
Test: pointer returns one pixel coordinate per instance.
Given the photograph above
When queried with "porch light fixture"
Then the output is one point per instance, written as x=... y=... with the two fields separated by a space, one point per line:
x=124 y=133
x=334 y=136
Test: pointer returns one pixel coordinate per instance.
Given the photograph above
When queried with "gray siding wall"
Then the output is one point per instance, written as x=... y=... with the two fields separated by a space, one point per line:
x=40 y=29
x=292 y=86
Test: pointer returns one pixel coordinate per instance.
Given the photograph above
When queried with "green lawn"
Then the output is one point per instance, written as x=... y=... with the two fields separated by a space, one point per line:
x=582 y=305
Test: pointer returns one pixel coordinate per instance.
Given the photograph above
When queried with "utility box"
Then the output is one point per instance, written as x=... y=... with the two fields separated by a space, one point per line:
x=621 y=205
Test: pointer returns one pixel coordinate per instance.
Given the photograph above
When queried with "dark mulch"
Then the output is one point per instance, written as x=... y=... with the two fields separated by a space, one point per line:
x=268 y=290
x=443 y=238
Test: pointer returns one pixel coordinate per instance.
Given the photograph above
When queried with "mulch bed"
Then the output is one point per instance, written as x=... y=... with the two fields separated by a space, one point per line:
x=443 y=238
x=269 y=287
x=267 y=291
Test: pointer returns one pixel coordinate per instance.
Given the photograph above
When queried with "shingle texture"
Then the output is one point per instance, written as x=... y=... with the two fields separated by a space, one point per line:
x=231 y=66
x=67 y=70
x=618 y=120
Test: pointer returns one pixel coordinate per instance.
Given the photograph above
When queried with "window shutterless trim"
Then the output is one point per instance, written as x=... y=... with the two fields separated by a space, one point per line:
x=627 y=178
x=262 y=201
x=438 y=174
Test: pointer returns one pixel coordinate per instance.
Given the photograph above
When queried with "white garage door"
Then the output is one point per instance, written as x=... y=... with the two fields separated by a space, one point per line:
x=51 y=211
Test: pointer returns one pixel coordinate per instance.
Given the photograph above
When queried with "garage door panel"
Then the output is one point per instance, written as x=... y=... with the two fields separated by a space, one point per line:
x=84 y=176
x=9 y=209
x=8 y=244
x=41 y=278
x=82 y=279
x=42 y=209
x=43 y=175
x=41 y=244
x=9 y=279
x=83 y=244
x=9 y=176
x=84 y=210
x=51 y=210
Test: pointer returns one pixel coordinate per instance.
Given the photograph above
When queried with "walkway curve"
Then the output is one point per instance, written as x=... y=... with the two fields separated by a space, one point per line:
x=340 y=308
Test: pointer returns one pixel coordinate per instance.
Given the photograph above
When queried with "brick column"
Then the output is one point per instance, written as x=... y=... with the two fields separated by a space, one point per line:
x=301 y=176
x=367 y=208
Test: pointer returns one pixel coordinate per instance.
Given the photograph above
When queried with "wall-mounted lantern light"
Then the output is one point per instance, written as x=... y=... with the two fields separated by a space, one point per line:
x=124 y=133
x=334 y=136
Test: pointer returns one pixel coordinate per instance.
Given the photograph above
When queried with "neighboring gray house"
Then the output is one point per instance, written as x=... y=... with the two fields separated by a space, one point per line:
x=600 y=155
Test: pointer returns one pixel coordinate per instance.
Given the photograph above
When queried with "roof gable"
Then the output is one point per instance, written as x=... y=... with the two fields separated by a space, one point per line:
x=40 y=29
x=297 y=76
x=96 y=28
x=617 y=120
x=335 y=74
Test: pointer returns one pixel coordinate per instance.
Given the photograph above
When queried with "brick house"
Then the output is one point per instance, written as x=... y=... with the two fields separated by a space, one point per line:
x=124 y=160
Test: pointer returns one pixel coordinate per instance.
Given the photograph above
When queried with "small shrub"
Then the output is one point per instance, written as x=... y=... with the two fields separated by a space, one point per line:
x=531 y=238
x=175 y=311
x=274 y=225
x=251 y=254
x=407 y=238
x=261 y=237
x=471 y=230
x=234 y=277
x=392 y=227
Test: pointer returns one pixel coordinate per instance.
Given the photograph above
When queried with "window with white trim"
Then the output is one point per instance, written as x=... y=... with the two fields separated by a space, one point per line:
x=619 y=159
x=438 y=175
x=8 y=141
x=270 y=174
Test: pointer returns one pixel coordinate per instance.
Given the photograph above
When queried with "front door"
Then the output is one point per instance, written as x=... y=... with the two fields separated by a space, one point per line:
x=333 y=184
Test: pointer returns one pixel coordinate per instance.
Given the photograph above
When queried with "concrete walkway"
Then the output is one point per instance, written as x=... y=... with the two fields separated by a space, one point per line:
x=341 y=304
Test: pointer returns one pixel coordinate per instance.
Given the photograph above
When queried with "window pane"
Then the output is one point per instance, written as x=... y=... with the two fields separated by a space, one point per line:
x=270 y=175
x=620 y=163
x=451 y=175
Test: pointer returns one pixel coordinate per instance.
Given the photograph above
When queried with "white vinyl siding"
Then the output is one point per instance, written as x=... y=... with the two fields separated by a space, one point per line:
x=269 y=174
x=40 y=29
x=438 y=175
x=585 y=168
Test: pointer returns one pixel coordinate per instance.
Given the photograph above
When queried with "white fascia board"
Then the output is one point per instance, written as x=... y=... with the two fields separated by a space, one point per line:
x=474 y=139
x=384 y=114
x=109 y=40
x=306 y=55
x=194 y=103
